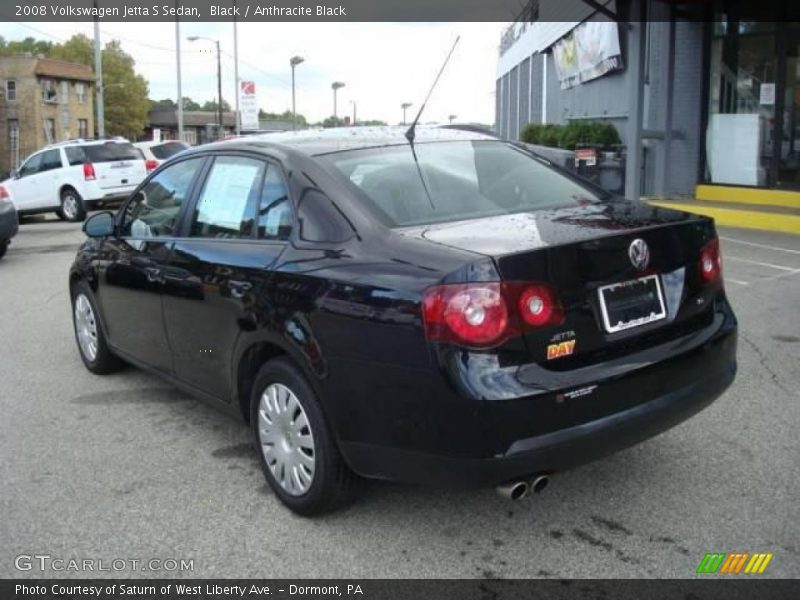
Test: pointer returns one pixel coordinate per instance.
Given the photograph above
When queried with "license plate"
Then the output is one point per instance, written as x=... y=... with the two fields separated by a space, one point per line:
x=631 y=303
x=120 y=165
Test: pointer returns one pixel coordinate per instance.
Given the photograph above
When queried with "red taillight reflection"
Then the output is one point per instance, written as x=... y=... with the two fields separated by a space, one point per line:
x=88 y=171
x=4 y=195
x=151 y=165
x=487 y=314
x=711 y=261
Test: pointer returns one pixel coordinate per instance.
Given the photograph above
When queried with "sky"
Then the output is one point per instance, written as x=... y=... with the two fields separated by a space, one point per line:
x=381 y=64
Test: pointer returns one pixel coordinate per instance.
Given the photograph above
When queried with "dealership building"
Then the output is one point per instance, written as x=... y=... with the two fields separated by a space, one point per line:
x=703 y=94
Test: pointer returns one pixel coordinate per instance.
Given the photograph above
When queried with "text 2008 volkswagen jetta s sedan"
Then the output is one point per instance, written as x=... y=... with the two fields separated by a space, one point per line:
x=456 y=311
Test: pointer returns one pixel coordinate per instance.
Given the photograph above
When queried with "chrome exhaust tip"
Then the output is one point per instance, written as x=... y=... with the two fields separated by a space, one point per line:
x=513 y=490
x=538 y=483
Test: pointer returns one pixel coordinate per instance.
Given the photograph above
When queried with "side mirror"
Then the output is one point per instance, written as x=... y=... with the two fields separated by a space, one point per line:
x=100 y=225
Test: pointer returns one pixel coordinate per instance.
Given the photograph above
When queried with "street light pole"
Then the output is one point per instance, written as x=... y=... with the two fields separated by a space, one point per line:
x=236 y=73
x=335 y=87
x=219 y=90
x=293 y=62
x=100 y=126
x=452 y=118
x=405 y=106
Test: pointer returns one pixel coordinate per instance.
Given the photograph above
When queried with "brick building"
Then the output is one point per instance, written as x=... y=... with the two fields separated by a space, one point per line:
x=42 y=101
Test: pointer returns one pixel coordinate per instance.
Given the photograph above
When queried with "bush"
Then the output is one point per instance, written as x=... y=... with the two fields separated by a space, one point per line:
x=571 y=135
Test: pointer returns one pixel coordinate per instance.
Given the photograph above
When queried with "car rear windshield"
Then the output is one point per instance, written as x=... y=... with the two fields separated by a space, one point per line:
x=165 y=151
x=457 y=180
x=110 y=152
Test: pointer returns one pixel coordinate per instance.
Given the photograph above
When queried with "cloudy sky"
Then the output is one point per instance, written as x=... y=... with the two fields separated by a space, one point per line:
x=382 y=64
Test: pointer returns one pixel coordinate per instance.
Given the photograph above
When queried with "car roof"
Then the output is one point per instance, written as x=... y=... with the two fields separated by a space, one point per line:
x=151 y=143
x=324 y=141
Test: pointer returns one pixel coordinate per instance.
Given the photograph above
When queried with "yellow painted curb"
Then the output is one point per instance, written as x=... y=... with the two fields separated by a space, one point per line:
x=748 y=219
x=744 y=195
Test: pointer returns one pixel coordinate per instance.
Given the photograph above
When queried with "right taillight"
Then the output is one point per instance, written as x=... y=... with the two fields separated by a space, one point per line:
x=483 y=315
x=4 y=195
x=711 y=262
x=88 y=172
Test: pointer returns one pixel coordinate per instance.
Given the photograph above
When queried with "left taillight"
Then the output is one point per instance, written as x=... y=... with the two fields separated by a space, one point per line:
x=151 y=165
x=711 y=262
x=483 y=315
x=4 y=195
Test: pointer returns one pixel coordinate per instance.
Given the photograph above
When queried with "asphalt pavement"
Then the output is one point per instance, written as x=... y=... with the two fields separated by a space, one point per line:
x=126 y=467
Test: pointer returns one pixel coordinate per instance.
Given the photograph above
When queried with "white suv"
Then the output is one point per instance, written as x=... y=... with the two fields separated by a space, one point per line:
x=69 y=177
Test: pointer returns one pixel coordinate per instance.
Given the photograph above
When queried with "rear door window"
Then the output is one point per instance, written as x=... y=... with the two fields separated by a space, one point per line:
x=111 y=152
x=168 y=150
x=226 y=208
x=50 y=160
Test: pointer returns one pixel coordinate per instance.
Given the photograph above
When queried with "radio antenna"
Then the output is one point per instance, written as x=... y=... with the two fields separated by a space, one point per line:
x=411 y=130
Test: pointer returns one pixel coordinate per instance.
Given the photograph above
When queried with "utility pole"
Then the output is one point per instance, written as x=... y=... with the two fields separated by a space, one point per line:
x=194 y=38
x=353 y=102
x=178 y=64
x=100 y=126
x=236 y=71
x=405 y=106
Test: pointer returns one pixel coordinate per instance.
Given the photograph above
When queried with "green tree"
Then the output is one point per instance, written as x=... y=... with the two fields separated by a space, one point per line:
x=189 y=104
x=167 y=103
x=29 y=45
x=284 y=116
x=77 y=49
x=126 y=104
x=211 y=105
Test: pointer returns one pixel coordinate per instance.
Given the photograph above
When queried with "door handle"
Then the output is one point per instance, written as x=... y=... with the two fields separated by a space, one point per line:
x=239 y=288
x=154 y=275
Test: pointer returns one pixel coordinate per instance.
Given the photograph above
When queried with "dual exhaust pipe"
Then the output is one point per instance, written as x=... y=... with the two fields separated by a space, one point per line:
x=519 y=488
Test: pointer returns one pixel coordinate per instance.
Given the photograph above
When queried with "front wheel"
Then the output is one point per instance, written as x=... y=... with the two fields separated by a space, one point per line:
x=94 y=350
x=72 y=208
x=297 y=451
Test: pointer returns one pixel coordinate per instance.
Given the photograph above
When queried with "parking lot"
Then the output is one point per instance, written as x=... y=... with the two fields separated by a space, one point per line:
x=126 y=467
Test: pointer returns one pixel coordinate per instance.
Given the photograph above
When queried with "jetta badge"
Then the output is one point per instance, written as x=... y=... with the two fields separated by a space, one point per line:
x=639 y=254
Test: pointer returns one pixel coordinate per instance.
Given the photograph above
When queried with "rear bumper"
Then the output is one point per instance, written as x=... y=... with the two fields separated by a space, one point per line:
x=674 y=389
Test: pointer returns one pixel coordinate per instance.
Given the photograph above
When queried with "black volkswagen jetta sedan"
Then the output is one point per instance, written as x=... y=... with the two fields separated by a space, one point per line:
x=453 y=312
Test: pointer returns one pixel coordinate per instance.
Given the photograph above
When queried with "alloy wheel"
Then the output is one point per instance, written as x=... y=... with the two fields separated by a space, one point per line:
x=286 y=439
x=86 y=327
x=70 y=206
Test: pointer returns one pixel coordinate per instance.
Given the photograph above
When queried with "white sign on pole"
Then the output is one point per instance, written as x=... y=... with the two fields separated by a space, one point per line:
x=248 y=105
x=156 y=134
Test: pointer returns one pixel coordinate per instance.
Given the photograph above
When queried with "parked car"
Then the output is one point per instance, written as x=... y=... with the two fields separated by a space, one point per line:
x=456 y=313
x=70 y=177
x=156 y=153
x=8 y=221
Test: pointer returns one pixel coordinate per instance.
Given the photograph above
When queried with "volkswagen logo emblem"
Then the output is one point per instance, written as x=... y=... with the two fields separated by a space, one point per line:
x=639 y=254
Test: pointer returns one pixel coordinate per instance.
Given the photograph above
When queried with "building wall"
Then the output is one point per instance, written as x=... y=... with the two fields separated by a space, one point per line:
x=608 y=98
x=30 y=111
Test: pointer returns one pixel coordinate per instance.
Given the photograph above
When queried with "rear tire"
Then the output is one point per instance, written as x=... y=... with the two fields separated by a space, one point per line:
x=3 y=247
x=72 y=206
x=297 y=451
x=89 y=334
